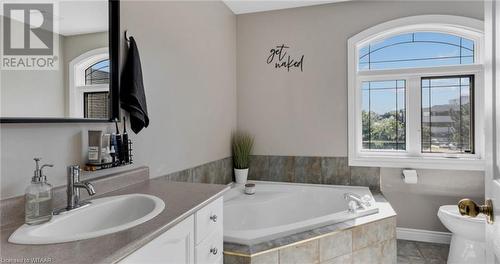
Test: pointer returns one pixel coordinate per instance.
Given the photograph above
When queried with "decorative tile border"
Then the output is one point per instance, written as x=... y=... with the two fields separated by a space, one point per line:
x=319 y=170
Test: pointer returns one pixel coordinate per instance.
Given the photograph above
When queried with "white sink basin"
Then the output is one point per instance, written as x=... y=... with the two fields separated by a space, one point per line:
x=103 y=216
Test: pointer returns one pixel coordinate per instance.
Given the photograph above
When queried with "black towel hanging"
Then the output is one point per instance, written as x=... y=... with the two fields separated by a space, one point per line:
x=132 y=94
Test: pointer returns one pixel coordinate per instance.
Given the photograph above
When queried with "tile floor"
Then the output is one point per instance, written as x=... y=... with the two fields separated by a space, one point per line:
x=412 y=252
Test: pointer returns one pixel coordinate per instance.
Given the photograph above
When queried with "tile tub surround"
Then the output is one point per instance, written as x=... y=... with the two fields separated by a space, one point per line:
x=372 y=236
x=373 y=242
x=319 y=170
x=216 y=172
x=181 y=200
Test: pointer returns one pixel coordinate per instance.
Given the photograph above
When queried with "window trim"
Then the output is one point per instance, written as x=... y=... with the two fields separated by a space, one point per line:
x=472 y=88
x=461 y=26
x=77 y=87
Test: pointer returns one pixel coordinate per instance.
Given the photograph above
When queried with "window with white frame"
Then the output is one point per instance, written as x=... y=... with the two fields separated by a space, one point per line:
x=89 y=85
x=415 y=94
x=96 y=103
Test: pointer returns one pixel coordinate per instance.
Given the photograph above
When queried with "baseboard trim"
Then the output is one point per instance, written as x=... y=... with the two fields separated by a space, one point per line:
x=423 y=235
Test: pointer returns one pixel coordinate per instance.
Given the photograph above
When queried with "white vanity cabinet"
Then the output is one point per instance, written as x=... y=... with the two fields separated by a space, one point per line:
x=198 y=239
x=209 y=233
x=174 y=246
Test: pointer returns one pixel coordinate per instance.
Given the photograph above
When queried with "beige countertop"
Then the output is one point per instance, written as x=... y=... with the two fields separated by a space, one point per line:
x=181 y=200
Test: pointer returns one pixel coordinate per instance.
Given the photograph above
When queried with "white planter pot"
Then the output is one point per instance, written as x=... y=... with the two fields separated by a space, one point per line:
x=241 y=175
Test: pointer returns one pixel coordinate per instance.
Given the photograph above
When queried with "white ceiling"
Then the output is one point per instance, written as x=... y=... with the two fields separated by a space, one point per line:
x=81 y=17
x=74 y=17
x=252 y=6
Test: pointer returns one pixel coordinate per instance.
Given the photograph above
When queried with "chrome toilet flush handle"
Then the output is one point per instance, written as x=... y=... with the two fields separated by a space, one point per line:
x=213 y=218
x=214 y=250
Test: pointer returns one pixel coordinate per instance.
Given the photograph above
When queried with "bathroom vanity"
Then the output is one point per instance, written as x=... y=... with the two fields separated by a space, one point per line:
x=188 y=230
x=197 y=239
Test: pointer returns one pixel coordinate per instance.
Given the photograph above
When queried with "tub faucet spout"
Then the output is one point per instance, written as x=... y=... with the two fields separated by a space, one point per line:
x=359 y=202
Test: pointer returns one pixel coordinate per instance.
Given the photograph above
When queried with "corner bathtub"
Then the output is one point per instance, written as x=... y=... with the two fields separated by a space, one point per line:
x=280 y=209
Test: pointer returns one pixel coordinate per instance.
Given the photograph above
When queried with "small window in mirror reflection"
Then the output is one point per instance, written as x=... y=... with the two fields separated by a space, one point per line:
x=98 y=73
x=96 y=105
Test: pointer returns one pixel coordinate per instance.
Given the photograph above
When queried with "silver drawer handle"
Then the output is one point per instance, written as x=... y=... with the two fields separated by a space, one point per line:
x=214 y=250
x=213 y=218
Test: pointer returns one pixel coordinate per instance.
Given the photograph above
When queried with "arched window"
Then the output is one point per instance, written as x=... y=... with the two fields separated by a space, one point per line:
x=416 y=49
x=98 y=73
x=415 y=93
x=89 y=85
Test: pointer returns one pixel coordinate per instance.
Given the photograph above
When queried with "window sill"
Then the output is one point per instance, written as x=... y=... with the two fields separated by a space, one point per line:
x=471 y=164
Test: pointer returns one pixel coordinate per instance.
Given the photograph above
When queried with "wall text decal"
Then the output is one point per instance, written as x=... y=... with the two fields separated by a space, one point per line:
x=282 y=60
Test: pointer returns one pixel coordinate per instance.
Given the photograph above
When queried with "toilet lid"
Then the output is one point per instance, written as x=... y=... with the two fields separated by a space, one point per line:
x=452 y=210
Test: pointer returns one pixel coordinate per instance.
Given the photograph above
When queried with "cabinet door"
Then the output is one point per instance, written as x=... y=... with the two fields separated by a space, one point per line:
x=175 y=246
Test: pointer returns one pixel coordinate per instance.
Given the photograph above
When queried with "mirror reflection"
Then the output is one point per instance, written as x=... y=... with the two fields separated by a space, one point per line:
x=79 y=86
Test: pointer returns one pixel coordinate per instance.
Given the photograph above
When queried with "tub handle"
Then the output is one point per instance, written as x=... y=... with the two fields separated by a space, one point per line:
x=214 y=250
x=213 y=218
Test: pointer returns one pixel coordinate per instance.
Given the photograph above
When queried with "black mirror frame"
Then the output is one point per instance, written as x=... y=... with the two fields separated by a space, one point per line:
x=114 y=86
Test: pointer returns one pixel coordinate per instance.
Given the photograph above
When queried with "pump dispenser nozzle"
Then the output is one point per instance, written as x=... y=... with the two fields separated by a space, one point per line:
x=38 y=173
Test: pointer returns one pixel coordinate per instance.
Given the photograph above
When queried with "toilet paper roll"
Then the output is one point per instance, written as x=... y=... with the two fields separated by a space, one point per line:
x=410 y=176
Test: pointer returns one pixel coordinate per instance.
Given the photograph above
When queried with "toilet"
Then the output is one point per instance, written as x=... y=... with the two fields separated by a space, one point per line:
x=468 y=237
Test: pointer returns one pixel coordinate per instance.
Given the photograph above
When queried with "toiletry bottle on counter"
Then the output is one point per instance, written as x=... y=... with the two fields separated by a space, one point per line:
x=125 y=150
x=113 y=153
x=38 y=197
x=94 y=148
x=119 y=142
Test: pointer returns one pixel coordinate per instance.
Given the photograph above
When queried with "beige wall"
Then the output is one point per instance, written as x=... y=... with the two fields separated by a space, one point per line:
x=76 y=45
x=305 y=113
x=417 y=204
x=188 y=53
x=24 y=86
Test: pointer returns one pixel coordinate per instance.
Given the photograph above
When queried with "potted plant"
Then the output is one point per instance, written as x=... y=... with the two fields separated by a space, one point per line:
x=241 y=144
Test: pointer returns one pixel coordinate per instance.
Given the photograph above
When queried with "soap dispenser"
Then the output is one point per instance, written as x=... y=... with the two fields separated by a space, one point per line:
x=38 y=197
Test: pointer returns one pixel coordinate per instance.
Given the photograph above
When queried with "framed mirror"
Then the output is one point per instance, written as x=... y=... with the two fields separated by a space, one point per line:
x=83 y=86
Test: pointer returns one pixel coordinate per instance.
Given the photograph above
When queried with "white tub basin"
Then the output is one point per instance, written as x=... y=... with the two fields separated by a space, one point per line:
x=103 y=216
x=280 y=209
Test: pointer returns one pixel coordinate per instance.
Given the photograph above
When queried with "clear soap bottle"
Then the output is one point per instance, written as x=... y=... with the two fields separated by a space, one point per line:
x=38 y=197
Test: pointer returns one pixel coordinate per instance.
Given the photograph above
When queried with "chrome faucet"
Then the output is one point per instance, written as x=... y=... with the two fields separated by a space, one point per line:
x=73 y=190
x=361 y=202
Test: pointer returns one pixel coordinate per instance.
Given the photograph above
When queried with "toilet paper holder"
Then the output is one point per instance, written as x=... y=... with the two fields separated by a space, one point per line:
x=409 y=176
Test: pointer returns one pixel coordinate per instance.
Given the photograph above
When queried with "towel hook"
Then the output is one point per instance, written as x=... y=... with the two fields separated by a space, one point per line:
x=126 y=38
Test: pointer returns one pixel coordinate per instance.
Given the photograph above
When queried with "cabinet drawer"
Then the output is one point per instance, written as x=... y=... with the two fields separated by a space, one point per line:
x=210 y=251
x=208 y=219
